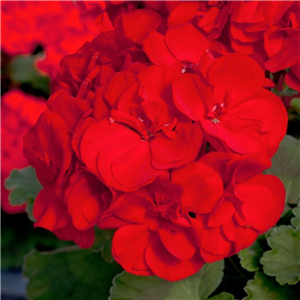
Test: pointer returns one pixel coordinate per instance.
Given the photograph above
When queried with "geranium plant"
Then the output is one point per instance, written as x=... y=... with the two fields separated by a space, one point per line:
x=159 y=152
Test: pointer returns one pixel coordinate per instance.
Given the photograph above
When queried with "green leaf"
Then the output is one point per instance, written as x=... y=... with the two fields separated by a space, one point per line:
x=23 y=70
x=196 y=287
x=103 y=243
x=18 y=237
x=23 y=185
x=286 y=91
x=249 y=257
x=69 y=274
x=286 y=166
x=295 y=104
x=283 y=260
x=223 y=296
x=29 y=210
x=263 y=287
x=296 y=220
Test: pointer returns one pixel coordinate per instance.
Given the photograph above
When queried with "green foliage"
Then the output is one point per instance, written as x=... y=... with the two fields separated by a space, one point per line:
x=69 y=274
x=286 y=91
x=18 y=237
x=196 y=287
x=286 y=166
x=103 y=243
x=22 y=70
x=250 y=256
x=263 y=287
x=295 y=104
x=296 y=220
x=222 y=296
x=283 y=261
x=23 y=185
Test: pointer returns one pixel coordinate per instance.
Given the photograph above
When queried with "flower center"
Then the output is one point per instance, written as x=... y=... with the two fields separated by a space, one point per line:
x=216 y=112
x=141 y=124
x=185 y=67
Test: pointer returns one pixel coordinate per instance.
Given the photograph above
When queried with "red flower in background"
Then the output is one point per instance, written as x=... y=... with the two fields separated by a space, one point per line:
x=19 y=112
x=55 y=25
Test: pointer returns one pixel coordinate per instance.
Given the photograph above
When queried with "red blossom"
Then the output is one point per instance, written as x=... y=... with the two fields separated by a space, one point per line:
x=226 y=106
x=156 y=216
x=252 y=203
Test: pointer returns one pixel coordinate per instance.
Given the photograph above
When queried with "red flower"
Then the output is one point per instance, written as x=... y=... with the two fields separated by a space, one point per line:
x=282 y=39
x=47 y=146
x=209 y=17
x=51 y=213
x=252 y=203
x=181 y=48
x=56 y=26
x=86 y=199
x=72 y=200
x=154 y=225
x=270 y=29
x=18 y=113
x=231 y=106
x=143 y=137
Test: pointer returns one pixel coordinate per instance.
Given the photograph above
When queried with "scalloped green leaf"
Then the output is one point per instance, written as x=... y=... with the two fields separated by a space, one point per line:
x=295 y=221
x=249 y=257
x=23 y=185
x=263 y=287
x=223 y=296
x=286 y=166
x=196 y=287
x=68 y=273
x=283 y=261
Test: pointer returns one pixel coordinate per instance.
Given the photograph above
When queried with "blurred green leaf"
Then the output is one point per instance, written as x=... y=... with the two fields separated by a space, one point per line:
x=286 y=166
x=223 y=296
x=196 y=287
x=263 y=287
x=295 y=104
x=103 y=243
x=286 y=91
x=29 y=210
x=18 y=237
x=23 y=70
x=296 y=220
x=283 y=260
x=249 y=257
x=23 y=185
x=69 y=274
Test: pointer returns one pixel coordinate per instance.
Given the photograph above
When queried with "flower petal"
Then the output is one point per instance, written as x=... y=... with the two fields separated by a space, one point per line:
x=186 y=43
x=129 y=240
x=179 y=242
x=263 y=197
x=237 y=74
x=167 y=266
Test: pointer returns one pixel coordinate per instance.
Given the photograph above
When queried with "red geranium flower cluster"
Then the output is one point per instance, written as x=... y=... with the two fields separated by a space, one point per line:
x=155 y=130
